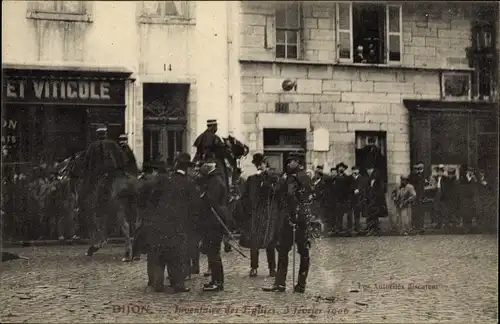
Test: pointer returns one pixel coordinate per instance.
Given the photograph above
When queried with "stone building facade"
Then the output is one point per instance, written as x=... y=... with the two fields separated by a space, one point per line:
x=339 y=99
x=172 y=58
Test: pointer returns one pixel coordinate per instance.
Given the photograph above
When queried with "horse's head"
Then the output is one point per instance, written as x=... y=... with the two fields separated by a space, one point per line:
x=237 y=148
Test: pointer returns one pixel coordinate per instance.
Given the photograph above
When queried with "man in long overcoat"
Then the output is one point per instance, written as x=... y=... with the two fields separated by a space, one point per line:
x=259 y=201
x=467 y=193
x=214 y=197
x=357 y=190
x=169 y=227
x=417 y=179
x=376 y=205
x=296 y=195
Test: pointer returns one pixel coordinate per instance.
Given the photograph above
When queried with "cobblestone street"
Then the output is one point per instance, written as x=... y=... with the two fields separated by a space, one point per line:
x=355 y=280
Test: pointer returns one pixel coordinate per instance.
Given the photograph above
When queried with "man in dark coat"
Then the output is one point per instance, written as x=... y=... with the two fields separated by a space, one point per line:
x=210 y=147
x=442 y=190
x=130 y=162
x=358 y=197
x=417 y=179
x=214 y=196
x=103 y=162
x=376 y=205
x=170 y=225
x=343 y=183
x=468 y=188
x=296 y=195
x=372 y=155
x=259 y=201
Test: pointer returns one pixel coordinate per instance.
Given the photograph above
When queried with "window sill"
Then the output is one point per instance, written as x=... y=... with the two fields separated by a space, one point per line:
x=59 y=16
x=354 y=65
x=167 y=21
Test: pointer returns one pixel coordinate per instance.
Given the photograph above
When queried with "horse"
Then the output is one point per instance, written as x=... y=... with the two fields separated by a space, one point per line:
x=105 y=201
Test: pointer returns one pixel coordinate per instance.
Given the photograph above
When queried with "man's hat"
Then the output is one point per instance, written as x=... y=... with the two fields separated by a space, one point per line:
x=183 y=159
x=440 y=167
x=211 y=122
x=341 y=164
x=403 y=177
x=471 y=169
x=258 y=159
x=355 y=167
x=123 y=137
x=320 y=167
x=293 y=156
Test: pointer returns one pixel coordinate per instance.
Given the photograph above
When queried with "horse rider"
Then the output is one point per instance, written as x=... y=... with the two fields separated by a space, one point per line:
x=296 y=194
x=210 y=147
x=102 y=162
x=130 y=163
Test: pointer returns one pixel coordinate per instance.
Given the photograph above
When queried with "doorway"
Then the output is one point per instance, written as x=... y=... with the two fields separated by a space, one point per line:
x=367 y=156
x=165 y=122
x=279 y=143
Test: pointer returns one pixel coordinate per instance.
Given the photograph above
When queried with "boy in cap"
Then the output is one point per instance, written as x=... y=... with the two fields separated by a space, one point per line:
x=403 y=197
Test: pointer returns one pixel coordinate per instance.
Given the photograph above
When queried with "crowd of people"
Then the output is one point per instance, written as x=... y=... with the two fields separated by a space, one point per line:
x=446 y=200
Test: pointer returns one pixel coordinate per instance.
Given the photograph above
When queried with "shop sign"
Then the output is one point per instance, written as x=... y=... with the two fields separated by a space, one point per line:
x=64 y=91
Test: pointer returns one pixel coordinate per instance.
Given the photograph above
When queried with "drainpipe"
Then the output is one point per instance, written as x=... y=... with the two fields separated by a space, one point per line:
x=234 y=113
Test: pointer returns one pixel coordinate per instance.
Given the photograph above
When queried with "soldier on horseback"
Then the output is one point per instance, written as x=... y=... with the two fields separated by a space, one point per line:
x=210 y=147
x=103 y=161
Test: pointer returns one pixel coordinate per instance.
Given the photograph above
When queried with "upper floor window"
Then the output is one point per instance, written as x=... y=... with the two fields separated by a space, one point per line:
x=288 y=30
x=60 y=10
x=166 y=11
x=369 y=33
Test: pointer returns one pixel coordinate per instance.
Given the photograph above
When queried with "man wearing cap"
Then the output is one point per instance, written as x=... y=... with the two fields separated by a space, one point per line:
x=260 y=204
x=130 y=163
x=214 y=196
x=102 y=163
x=417 y=179
x=210 y=147
x=296 y=192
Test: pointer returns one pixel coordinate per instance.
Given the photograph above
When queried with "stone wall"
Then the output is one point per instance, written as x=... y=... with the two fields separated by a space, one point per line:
x=345 y=99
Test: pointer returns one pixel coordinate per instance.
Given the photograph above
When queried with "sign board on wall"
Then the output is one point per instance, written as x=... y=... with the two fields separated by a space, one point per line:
x=56 y=91
x=321 y=140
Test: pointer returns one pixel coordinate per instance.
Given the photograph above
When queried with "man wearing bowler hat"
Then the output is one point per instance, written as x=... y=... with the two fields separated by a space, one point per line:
x=343 y=195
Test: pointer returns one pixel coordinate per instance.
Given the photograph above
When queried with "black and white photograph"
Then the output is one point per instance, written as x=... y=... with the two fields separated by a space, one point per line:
x=250 y=161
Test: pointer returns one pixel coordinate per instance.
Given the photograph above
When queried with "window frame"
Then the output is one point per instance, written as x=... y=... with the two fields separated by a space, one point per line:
x=186 y=17
x=286 y=29
x=387 y=35
x=34 y=12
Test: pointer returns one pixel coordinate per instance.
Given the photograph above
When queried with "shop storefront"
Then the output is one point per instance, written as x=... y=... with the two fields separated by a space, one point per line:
x=48 y=115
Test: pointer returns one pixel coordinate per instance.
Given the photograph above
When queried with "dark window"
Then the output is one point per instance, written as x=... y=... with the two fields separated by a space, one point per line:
x=282 y=107
x=288 y=30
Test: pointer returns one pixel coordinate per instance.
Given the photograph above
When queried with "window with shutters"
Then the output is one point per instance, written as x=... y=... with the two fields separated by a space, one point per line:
x=369 y=33
x=167 y=12
x=288 y=18
x=60 y=10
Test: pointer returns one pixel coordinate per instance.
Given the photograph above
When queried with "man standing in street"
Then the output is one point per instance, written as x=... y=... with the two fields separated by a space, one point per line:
x=170 y=225
x=376 y=205
x=468 y=187
x=358 y=192
x=297 y=191
x=214 y=196
x=417 y=179
x=343 y=183
x=440 y=184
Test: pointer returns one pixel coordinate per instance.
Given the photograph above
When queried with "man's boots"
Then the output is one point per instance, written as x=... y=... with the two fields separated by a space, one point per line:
x=300 y=287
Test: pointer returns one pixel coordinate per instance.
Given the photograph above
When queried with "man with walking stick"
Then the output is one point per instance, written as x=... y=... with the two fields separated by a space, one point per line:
x=296 y=194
